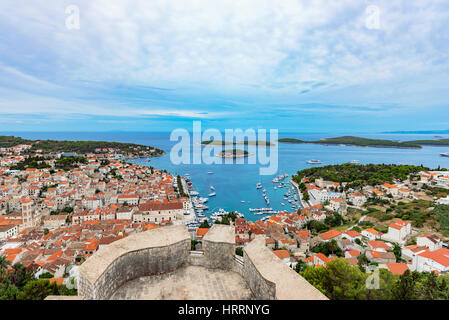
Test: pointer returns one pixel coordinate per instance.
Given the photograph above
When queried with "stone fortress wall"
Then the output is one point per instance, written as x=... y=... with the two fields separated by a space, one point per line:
x=167 y=249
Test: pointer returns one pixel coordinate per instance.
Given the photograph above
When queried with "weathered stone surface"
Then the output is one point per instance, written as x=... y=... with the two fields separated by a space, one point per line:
x=187 y=283
x=158 y=264
x=151 y=252
x=219 y=247
x=270 y=278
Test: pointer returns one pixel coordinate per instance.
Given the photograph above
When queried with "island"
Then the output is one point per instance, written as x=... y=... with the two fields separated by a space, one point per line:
x=233 y=153
x=246 y=143
x=366 y=142
x=124 y=150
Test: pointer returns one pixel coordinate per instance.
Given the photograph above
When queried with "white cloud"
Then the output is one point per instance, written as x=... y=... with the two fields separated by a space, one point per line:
x=223 y=46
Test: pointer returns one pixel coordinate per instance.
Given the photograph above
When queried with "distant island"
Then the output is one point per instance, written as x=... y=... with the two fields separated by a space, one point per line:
x=246 y=143
x=234 y=153
x=130 y=150
x=365 y=142
x=420 y=132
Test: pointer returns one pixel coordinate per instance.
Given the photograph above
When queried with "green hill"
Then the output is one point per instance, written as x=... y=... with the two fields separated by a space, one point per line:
x=366 y=142
x=81 y=147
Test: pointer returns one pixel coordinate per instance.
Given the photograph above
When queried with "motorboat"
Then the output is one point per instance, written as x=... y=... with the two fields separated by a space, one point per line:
x=355 y=161
x=313 y=161
x=445 y=154
x=212 y=194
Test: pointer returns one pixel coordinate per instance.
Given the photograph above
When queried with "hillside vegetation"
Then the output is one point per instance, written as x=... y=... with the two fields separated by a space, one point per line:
x=54 y=146
x=359 y=175
x=366 y=142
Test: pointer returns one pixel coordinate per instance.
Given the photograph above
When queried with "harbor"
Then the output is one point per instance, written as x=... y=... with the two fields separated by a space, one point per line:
x=285 y=193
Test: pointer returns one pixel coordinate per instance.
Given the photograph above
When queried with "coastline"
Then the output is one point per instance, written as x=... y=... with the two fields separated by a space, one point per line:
x=304 y=204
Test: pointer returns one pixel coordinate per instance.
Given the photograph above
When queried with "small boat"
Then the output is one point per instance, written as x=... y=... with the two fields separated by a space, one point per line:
x=445 y=154
x=210 y=172
x=283 y=203
x=242 y=201
x=148 y=160
x=258 y=185
x=212 y=188
x=275 y=188
x=355 y=161
x=314 y=161
x=212 y=194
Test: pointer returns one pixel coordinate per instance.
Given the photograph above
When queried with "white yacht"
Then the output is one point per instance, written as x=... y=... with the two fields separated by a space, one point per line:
x=212 y=194
x=355 y=161
x=314 y=161
x=259 y=185
x=212 y=188
x=445 y=154
x=210 y=172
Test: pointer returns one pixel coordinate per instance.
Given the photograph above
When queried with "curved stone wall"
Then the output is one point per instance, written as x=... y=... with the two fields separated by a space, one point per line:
x=270 y=278
x=166 y=249
x=142 y=254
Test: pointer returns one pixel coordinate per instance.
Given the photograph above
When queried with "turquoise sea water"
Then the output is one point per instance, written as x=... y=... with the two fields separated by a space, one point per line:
x=236 y=182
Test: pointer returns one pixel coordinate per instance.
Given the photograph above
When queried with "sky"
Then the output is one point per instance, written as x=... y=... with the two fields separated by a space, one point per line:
x=301 y=66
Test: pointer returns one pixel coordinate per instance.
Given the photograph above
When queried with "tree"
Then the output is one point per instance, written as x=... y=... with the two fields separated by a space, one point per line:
x=239 y=251
x=19 y=275
x=338 y=280
x=343 y=281
x=204 y=224
x=386 y=280
x=4 y=264
x=316 y=277
x=193 y=244
x=405 y=287
x=7 y=291
x=362 y=262
x=328 y=248
x=46 y=275
x=37 y=290
x=434 y=288
x=300 y=266
x=397 y=252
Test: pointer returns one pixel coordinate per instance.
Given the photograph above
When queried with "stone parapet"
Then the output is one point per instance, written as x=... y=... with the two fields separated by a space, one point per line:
x=142 y=254
x=164 y=250
x=270 y=278
x=219 y=247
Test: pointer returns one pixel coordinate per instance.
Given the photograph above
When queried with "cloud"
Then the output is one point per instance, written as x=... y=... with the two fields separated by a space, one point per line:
x=196 y=58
